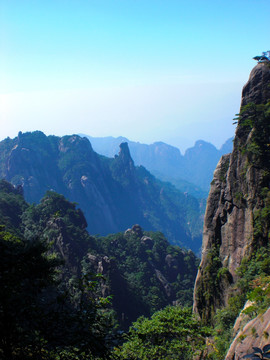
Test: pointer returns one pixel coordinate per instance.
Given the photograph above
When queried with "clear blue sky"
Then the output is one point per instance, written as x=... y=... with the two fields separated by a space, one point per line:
x=149 y=70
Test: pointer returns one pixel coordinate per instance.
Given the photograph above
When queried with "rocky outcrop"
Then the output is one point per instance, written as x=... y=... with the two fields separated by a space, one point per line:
x=254 y=333
x=234 y=197
x=125 y=158
x=136 y=229
x=256 y=89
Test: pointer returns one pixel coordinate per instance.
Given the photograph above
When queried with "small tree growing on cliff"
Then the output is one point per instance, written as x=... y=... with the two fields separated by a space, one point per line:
x=258 y=353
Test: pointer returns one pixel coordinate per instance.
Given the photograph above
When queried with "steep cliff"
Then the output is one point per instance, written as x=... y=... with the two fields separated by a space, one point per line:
x=237 y=219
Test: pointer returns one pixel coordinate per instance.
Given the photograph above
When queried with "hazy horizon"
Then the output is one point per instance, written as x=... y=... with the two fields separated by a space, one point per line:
x=149 y=71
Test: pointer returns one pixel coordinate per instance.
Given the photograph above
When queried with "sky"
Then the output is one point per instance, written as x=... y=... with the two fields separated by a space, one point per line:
x=148 y=70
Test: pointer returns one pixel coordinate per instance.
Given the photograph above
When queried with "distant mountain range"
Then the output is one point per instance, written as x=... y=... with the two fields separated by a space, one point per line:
x=191 y=172
x=113 y=193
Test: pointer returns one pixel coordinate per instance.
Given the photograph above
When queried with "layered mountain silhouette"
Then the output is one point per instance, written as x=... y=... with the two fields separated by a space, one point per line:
x=191 y=172
x=113 y=193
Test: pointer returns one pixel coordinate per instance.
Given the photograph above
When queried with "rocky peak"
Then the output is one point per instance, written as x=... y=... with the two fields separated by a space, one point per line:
x=76 y=147
x=123 y=168
x=257 y=88
x=69 y=142
x=233 y=201
x=124 y=155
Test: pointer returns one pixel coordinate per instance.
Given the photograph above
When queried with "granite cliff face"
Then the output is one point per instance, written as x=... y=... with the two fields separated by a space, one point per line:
x=234 y=201
x=248 y=334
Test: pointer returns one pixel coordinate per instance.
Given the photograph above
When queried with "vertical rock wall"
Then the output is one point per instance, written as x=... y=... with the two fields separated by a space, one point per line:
x=233 y=198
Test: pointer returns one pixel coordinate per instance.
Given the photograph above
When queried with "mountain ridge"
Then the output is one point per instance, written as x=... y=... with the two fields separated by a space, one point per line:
x=113 y=193
x=167 y=163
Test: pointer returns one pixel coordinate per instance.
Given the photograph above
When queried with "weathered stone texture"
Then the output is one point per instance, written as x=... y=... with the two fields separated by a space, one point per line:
x=233 y=197
x=251 y=334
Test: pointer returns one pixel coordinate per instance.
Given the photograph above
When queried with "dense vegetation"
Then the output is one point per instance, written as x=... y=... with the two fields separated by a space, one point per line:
x=40 y=318
x=66 y=293
x=153 y=272
x=172 y=333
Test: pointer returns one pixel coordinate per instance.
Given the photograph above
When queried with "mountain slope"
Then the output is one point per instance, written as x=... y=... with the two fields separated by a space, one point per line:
x=113 y=193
